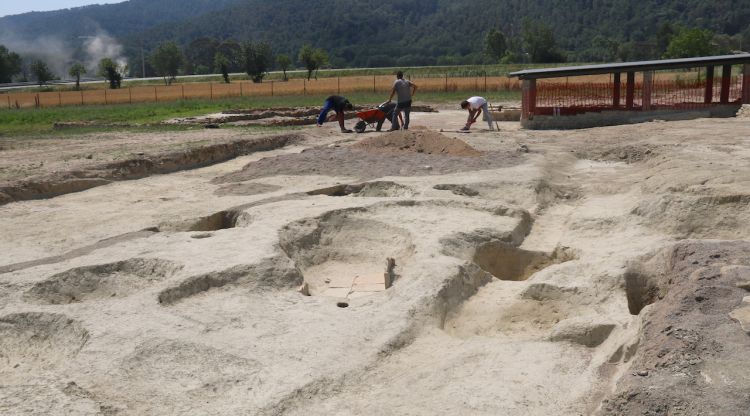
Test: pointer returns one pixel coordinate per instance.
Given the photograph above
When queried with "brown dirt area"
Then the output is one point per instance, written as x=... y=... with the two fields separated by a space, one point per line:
x=422 y=141
x=309 y=272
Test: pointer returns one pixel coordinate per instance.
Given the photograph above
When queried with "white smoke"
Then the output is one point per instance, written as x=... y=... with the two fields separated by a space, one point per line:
x=103 y=46
x=60 y=55
x=54 y=52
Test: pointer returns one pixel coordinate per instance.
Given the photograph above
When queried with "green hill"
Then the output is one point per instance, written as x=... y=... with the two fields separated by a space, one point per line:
x=359 y=33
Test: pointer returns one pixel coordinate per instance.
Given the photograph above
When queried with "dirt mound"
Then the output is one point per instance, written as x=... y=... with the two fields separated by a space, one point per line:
x=424 y=141
x=744 y=111
x=364 y=164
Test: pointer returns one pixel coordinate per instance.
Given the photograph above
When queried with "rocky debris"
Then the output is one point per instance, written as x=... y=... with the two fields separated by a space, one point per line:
x=695 y=352
x=457 y=189
x=632 y=153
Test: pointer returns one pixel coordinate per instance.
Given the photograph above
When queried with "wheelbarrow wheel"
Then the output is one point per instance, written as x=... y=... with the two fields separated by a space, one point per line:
x=360 y=127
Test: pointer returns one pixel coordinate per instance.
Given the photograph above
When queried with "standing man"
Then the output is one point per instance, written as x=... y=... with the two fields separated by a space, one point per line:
x=476 y=106
x=337 y=104
x=405 y=90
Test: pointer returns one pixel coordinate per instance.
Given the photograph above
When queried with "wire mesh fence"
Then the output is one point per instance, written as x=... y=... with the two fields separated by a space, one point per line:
x=217 y=91
x=560 y=98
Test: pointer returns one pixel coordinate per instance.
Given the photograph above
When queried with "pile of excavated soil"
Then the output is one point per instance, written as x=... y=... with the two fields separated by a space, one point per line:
x=365 y=164
x=744 y=111
x=422 y=141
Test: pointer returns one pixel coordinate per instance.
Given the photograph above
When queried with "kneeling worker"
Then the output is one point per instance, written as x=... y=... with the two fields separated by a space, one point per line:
x=338 y=104
x=476 y=106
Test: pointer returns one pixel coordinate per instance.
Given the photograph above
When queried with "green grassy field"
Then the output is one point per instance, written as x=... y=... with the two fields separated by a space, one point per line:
x=25 y=122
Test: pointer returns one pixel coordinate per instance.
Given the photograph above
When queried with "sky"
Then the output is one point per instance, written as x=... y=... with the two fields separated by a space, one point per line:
x=8 y=7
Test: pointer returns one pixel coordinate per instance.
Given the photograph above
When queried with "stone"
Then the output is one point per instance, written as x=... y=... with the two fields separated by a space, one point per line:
x=742 y=314
x=304 y=289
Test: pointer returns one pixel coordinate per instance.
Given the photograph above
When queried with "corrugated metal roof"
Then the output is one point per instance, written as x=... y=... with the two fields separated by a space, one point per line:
x=571 y=71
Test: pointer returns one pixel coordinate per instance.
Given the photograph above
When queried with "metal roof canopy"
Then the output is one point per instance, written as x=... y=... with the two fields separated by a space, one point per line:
x=633 y=66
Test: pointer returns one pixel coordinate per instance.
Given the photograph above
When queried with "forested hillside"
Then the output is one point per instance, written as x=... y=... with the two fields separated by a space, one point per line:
x=404 y=32
x=116 y=19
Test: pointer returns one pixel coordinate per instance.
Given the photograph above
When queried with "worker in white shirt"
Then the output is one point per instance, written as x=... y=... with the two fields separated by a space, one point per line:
x=476 y=106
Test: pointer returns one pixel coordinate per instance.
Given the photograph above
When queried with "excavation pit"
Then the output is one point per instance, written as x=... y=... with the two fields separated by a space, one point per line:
x=113 y=280
x=510 y=263
x=275 y=273
x=380 y=189
x=38 y=340
x=344 y=256
x=221 y=220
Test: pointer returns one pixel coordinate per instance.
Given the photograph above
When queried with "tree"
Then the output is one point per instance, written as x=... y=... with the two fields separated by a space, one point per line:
x=233 y=52
x=258 y=58
x=321 y=57
x=221 y=63
x=111 y=72
x=664 y=36
x=539 y=43
x=496 y=45
x=41 y=72
x=690 y=43
x=167 y=60
x=76 y=71
x=10 y=64
x=200 y=55
x=284 y=62
x=312 y=59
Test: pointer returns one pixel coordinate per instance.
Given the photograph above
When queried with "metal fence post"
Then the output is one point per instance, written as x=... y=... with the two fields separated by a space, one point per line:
x=36 y=99
x=373 y=84
x=59 y=99
x=183 y=92
x=338 y=83
x=8 y=95
x=130 y=95
x=156 y=97
x=105 y=97
x=81 y=97
x=304 y=87
x=241 y=92
x=446 y=82
x=271 y=88
x=211 y=90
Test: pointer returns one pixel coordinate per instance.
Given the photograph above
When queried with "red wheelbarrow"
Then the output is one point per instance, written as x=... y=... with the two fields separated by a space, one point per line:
x=376 y=117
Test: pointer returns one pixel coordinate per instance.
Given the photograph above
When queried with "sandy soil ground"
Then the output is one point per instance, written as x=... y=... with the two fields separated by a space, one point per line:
x=599 y=271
